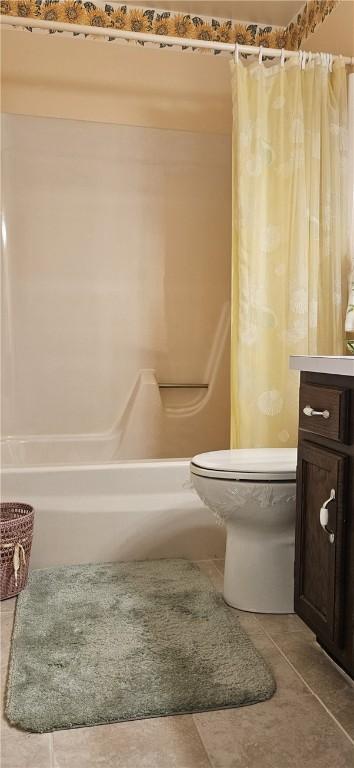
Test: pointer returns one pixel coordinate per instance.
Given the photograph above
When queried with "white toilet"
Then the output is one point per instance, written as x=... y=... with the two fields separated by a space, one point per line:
x=253 y=492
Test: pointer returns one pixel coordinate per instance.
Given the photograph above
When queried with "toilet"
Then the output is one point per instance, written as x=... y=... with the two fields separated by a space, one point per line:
x=252 y=491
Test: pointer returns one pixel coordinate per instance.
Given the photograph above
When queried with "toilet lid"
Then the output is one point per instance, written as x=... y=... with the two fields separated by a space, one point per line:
x=247 y=464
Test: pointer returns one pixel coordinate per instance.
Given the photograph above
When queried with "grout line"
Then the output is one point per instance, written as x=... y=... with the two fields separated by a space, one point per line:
x=208 y=757
x=51 y=750
x=339 y=669
x=292 y=631
x=213 y=566
x=340 y=726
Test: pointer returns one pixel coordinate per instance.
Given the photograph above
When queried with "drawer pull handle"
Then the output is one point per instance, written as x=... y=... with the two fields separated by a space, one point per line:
x=324 y=516
x=308 y=411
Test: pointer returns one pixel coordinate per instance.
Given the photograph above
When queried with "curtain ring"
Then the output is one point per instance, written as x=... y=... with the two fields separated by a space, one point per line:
x=260 y=54
x=282 y=57
x=236 y=53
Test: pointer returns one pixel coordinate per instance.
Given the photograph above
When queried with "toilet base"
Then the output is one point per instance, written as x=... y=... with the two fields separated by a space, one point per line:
x=259 y=570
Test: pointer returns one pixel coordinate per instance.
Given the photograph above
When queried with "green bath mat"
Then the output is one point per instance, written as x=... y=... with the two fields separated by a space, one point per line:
x=96 y=644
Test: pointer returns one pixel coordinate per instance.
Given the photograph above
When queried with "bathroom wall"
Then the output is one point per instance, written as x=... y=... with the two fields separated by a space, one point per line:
x=336 y=33
x=116 y=82
x=116 y=279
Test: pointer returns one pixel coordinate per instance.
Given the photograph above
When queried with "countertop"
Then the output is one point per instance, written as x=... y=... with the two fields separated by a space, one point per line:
x=342 y=365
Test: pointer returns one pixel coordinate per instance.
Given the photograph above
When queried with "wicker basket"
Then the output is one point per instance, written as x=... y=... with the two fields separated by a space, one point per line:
x=16 y=529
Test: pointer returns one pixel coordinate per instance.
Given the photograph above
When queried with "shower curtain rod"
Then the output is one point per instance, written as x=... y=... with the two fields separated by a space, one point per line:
x=146 y=37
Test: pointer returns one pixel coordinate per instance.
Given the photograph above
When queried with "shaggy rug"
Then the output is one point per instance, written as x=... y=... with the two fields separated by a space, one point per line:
x=104 y=643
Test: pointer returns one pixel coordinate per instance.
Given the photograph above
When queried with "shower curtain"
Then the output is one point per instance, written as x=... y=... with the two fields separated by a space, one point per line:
x=349 y=319
x=290 y=253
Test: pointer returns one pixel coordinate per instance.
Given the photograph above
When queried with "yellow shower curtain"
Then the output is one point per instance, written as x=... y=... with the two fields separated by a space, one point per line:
x=290 y=262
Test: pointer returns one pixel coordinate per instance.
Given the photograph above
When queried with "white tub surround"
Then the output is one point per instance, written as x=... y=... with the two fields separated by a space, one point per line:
x=131 y=295
x=126 y=511
x=339 y=365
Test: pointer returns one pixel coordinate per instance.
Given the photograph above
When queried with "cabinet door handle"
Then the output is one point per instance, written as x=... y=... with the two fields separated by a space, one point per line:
x=324 y=516
x=309 y=411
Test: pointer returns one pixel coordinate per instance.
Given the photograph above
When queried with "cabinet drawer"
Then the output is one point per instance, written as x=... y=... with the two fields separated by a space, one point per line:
x=324 y=411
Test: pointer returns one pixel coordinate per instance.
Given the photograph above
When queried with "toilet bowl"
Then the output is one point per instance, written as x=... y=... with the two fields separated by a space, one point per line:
x=252 y=491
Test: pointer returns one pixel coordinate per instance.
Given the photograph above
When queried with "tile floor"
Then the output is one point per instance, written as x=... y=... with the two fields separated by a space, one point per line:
x=309 y=723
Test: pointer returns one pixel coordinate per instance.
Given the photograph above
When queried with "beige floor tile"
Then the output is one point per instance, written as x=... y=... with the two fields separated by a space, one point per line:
x=278 y=624
x=8 y=606
x=6 y=631
x=209 y=568
x=275 y=734
x=322 y=676
x=289 y=684
x=168 y=742
x=249 y=622
x=24 y=750
x=6 y=624
x=291 y=730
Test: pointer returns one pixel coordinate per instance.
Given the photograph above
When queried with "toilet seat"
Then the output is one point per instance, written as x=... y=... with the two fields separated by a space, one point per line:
x=265 y=464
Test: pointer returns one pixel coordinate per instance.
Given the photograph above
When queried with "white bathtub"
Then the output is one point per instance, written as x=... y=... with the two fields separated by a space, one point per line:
x=125 y=511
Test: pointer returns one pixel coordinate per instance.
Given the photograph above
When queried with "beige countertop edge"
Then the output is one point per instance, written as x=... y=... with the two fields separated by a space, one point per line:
x=339 y=365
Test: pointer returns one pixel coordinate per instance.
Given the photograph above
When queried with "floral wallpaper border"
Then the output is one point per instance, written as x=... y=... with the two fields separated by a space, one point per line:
x=306 y=20
x=172 y=24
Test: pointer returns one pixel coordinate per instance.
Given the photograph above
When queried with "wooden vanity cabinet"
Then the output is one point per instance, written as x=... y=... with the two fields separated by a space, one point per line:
x=324 y=541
